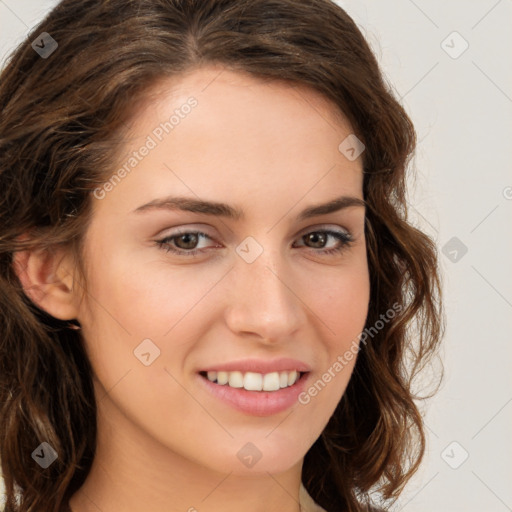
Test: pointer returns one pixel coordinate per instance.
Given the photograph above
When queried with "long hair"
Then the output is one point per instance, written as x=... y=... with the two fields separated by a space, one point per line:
x=62 y=121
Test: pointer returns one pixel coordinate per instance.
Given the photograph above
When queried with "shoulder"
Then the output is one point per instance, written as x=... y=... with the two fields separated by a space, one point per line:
x=306 y=501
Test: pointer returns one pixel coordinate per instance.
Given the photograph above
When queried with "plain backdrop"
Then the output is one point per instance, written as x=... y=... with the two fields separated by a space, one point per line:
x=450 y=63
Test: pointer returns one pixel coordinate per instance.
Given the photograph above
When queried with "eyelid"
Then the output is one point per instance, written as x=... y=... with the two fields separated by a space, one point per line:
x=324 y=227
x=342 y=235
x=182 y=230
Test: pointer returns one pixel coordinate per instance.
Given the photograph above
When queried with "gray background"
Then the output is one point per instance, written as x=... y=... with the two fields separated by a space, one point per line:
x=461 y=103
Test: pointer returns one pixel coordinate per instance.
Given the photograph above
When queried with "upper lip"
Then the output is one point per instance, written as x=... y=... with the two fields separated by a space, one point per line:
x=260 y=366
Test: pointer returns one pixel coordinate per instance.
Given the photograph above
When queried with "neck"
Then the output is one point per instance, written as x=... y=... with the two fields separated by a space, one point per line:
x=133 y=472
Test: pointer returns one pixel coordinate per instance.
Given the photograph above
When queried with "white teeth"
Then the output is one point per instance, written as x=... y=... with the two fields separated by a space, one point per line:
x=222 y=378
x=252 y=381
x=236 y=380
x=271 y=381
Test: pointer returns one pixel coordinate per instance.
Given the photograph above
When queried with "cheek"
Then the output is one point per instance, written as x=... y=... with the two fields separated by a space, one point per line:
x=132 y=301
x=339 y=299
x=340 y=296
x=152 y=299
x=140 y=296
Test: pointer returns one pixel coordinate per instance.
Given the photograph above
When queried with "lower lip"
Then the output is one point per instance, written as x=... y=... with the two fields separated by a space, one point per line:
x=257 y=403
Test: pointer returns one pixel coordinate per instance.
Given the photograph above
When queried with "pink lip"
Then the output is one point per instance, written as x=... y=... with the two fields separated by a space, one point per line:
x=260 y=366
x=256 y=403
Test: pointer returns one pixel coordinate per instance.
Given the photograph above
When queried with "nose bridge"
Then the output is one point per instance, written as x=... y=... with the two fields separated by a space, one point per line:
x=262 y=301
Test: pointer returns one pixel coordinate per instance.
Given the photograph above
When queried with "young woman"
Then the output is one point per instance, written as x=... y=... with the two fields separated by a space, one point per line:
x=210 y=296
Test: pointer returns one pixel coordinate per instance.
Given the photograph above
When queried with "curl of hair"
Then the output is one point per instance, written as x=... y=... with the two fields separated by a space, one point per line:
x=61 y=131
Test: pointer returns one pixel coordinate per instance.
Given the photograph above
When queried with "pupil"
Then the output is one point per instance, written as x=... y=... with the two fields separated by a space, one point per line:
x=317 y=236
x=189 y=236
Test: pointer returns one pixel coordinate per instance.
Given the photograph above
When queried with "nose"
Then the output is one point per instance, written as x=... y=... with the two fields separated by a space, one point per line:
x=263 y=303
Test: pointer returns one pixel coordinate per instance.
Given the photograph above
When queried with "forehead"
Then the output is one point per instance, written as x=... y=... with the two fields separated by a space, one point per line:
x=239 y=98
x=244 y=137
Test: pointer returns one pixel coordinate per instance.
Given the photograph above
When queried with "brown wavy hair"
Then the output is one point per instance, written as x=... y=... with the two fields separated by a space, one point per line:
x=61 y=128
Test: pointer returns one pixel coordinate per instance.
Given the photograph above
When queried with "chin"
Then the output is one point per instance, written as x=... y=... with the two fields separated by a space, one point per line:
x=273 y=454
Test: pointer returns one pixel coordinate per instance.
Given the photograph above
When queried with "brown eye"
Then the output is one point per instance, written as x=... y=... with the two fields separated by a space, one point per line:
x=183 y=243
x=319 y=239
x=186 y=241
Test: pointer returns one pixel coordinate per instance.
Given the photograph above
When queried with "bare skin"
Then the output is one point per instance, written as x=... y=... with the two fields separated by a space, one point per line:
x=165 y=443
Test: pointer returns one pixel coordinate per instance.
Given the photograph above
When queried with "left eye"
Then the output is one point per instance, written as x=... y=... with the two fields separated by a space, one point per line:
x=189 y=240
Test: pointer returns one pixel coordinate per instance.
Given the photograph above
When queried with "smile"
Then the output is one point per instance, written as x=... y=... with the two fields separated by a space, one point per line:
x=254 y=393
x=252 y=381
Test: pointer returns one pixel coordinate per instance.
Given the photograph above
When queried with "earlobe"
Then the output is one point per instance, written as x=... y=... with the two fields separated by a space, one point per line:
x=47 y=281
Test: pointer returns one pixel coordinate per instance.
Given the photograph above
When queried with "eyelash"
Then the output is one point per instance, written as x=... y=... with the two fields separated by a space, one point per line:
x=346 y=240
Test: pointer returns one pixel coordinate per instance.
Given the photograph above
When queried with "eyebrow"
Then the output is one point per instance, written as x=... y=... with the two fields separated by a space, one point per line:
x=214 y=208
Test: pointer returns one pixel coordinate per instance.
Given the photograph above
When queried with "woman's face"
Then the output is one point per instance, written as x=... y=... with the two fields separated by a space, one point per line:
x=271 y=291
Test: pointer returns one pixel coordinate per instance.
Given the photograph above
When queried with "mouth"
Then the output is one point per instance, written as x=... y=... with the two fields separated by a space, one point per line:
x=253 y=393
x=253 y=381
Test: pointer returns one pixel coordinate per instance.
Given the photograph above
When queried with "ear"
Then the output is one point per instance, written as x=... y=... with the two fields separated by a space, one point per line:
x=47 y=277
